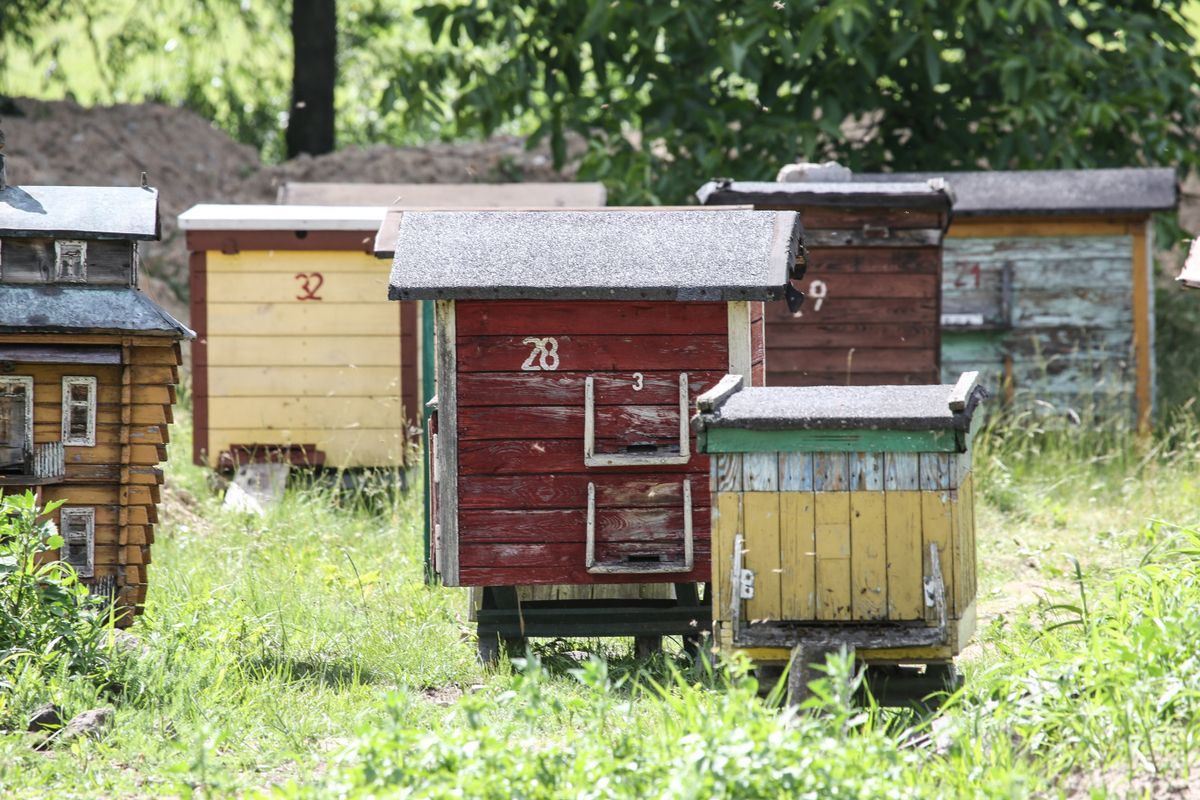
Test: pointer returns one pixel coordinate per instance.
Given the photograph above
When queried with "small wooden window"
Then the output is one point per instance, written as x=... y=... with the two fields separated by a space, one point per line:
x=79 y=411
x=70 y=261
x=16 y=422
x=78 y=530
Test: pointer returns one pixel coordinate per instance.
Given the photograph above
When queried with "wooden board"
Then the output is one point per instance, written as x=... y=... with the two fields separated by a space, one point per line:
x=763 y=553
x=352 y=447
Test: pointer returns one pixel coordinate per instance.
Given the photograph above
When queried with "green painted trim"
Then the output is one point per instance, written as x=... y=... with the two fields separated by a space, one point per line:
x=740 y=440
x=428 y=390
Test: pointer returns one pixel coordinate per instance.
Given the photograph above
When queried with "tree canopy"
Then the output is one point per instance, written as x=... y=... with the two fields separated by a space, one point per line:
x=669 y=93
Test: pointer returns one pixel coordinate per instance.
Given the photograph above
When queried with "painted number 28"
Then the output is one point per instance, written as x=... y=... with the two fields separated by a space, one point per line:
x=543 y=356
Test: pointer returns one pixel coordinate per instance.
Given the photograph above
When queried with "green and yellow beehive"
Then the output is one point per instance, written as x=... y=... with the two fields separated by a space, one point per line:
x=842 y=516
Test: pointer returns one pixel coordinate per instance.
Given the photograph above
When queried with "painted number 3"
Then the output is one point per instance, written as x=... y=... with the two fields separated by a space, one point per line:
x=543 y=356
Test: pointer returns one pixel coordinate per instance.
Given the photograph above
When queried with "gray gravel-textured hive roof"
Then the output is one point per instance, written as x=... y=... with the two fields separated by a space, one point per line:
x=1059 y=191
x=844 y=408
x=82 y=212
x=697 y=254
x=57 y=308
x=931 y=193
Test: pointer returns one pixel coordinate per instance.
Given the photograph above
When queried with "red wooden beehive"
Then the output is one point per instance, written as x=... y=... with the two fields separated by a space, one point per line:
x=872 y=315
x=570 y=348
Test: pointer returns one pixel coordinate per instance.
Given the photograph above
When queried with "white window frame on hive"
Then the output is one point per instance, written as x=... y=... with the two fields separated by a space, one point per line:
x=66 y=246
x=88 y=407
x=71 y=517
x=25 y=381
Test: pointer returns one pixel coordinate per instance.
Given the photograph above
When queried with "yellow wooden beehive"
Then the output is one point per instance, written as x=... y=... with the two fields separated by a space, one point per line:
x=843 y=516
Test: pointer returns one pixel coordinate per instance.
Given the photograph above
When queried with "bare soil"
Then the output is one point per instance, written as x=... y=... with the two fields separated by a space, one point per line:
x=190 y=161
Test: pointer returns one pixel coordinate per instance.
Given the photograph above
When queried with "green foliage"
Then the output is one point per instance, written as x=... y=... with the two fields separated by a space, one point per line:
x=48 y=620
x=668 y=94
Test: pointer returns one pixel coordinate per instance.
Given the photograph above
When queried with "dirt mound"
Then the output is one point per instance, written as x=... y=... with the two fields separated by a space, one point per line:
x=190 y=161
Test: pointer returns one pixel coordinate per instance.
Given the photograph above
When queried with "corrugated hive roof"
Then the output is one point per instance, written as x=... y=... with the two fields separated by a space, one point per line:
x=600 y=254
x=82 y=212
x=56 y=308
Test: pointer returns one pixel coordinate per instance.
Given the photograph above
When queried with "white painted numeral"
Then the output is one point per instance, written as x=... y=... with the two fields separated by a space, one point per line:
x=817 y=291
x=639 y=382
x=544 y=352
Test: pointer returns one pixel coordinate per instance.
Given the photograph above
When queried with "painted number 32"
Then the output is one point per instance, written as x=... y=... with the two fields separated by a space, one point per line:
x=310 y=284
x=543 y=356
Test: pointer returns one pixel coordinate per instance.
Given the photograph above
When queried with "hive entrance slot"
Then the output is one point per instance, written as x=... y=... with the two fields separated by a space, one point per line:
x=644 y=559
x=643 y=447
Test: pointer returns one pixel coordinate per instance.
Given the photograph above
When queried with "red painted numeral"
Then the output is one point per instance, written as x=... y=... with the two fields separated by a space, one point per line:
x=960 y=280
x=311 y=284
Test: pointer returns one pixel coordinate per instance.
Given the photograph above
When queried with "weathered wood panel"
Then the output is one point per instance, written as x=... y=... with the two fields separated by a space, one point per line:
x=502 y=456
x=335 y=413
x=1062 y=312
x=227 y=320
x=567 y=388
x=595 y=353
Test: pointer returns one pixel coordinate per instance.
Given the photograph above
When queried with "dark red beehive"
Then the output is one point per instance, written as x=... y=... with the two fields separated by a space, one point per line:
x=873 y=308
x=571 y=346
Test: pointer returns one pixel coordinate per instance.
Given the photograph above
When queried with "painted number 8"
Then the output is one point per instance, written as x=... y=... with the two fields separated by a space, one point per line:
x=545 y=353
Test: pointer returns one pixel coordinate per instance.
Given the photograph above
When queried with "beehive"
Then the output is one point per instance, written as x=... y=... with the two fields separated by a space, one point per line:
x=872 y=308
x=88 y=367
x=843 y=515
x=570 y=345
x=296 y=356
x=1047 y=286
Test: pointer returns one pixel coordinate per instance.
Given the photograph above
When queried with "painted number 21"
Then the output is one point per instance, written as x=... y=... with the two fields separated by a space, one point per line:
x=543 y=356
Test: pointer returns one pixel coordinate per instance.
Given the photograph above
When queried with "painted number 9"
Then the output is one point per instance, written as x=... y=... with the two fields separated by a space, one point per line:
x=543 y=356
x=818 y=291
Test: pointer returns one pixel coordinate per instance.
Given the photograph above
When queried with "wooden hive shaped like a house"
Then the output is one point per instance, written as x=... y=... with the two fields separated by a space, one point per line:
x=570 y=347
x=88 y=366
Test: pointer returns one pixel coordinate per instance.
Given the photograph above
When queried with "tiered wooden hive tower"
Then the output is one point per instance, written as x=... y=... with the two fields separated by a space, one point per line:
x=87 y=371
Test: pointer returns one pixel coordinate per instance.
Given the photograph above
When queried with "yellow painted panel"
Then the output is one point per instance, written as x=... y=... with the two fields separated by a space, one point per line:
x=868 y=556
x=726 y=524
x=299 y=287
x=304 y=319
x=798 y=548
x=937 y=524
x=905 y=576
x=275 y=413
x=293 y=261
x=362 y=447
x=297 y=351
x=761 y=514
x=331 y=381
x=831 y=514
x=966 y=540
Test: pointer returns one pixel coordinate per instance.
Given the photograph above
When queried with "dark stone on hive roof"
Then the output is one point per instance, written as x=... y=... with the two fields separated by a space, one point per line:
x=601 y=254
x=79 y=212
x=914 y=193
x=84 y=309
x=1059 y=191
x=843 y=408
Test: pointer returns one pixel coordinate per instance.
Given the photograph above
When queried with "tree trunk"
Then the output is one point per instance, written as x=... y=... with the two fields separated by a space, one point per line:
x=314 y=73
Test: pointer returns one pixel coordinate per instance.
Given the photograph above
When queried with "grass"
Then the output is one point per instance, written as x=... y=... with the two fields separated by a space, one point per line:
x=301 y=654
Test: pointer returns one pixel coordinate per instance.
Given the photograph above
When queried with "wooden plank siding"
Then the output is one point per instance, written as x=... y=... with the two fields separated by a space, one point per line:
x=522 y=485
x=845 y=537
x=302 y=348
x=118 y=476
x=870 y=314
x=1058 y=319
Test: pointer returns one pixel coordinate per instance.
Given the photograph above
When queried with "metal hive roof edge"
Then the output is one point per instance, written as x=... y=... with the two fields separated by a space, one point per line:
x=55 y=308
x=84 y=212
x=929 y=192
x=646 y=254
